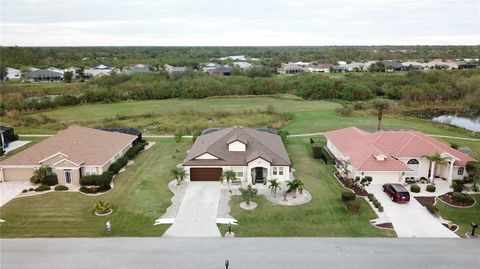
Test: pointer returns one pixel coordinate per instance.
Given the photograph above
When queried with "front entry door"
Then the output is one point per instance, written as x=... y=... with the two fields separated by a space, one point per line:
x=258 y=175
x=68 y=176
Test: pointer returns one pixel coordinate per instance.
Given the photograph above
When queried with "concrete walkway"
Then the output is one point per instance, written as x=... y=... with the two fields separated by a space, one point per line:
x=411 y=219
x=197 y=215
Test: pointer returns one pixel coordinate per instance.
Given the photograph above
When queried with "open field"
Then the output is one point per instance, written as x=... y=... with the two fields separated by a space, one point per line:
x=325 y=215
x=139 y=197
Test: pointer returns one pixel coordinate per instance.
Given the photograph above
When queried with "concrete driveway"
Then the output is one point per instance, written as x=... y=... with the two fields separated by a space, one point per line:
x=197 y=215
x=9 y=190
x=410 y=219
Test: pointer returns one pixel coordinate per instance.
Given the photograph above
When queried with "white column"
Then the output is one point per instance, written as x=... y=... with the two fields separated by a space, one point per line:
x=450 y=171
x=432 y=172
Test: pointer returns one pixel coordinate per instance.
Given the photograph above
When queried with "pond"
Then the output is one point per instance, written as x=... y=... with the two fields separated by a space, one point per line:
x=469 y=123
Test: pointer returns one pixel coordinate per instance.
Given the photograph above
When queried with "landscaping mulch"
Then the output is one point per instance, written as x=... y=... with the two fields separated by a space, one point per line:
x=387 y=225
x=425 y=200
x=447 y=198
x=358 y=191
x=452 y=228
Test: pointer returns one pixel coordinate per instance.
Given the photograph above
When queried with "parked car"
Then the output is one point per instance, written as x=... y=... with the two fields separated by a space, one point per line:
x=396 y=192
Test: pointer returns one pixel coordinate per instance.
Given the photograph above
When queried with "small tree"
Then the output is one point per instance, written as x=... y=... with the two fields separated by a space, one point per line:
x=178 y=137
x=179 y=174
x=40 y=174
x=274 y=186
x=381 y=105
x=248 y=193
x=345 y=166
x=68 y=76
x=293 y=186
x=229 y=176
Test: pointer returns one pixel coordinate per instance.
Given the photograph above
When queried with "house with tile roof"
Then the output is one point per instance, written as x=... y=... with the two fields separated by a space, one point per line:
x=72 y=153
x=391 y=156
x=254 y=155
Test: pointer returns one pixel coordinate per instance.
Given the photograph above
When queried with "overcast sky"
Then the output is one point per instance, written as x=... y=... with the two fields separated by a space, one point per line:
x=239 y=23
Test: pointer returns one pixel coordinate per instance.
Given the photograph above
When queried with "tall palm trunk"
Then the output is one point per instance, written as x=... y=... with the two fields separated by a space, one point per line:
x=380 y=116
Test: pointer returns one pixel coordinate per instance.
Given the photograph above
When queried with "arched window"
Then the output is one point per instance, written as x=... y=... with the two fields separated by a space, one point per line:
x=412 y=161
x=460 y=171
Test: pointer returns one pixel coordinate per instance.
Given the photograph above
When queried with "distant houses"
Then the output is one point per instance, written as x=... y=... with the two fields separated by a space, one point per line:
x=13 y=74
x=43 y=76
x=175 y=69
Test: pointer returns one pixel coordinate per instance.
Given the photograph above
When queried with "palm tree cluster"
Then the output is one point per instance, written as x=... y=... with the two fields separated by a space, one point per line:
x=179 y=174
x=293 y=186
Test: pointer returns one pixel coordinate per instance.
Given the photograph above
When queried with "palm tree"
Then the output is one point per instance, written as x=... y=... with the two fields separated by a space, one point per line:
x=345 y=165
x=248 y=194
x=274 y=186
x=293 y=186
x=40 y=174
x=229 y=176
x=179 y=174
x=380 y=105
x=434 y=159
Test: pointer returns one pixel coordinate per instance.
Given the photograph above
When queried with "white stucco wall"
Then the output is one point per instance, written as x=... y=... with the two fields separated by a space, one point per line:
x=423 y=166
x=382 y=177
x=236 y=146
x=334 y=150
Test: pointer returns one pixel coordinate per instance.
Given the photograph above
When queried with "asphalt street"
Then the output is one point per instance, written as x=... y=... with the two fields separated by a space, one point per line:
x=278 y=253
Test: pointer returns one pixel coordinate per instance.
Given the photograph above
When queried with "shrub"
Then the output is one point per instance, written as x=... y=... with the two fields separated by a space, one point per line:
x=248 y=193
x=317 y=152
x=432 y=209
x=61 y=188
x=370 y=196
x=135 y=149
x=457 y=186
x=415 y=188
x=103 y=188
x=50 y=180
x=102 y=207
x=24 y=190
x=431 y=188
x=31 y=189
x=461 y=197
x=353 y=206
x=348 y=196
x=90 y=190
x=42 y=188
x=376 y=204
x=380 y=208
x=97 y=180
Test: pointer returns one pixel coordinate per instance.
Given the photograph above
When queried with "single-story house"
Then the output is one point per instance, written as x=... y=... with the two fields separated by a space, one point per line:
x=43 y=76
x=72 y=153
x=13 y=73
x=291 y=68
x=391 y=156
x=254 y=155
x=175 y=69
x=7 y=135
x=243 y=65
x=220 y=71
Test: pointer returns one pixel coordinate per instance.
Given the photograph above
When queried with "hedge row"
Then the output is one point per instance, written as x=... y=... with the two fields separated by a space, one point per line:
x=319 y=152
x=102 y=182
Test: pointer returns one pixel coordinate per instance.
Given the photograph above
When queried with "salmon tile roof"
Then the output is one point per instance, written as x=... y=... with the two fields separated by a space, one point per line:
x=363 y=147
x=80 y=145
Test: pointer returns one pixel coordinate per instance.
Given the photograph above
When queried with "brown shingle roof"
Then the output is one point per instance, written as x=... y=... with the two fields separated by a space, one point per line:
x=260 y=144
x=82 y=145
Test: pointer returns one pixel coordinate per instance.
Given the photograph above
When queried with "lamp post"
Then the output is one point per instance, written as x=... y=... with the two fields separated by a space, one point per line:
x=474 y=226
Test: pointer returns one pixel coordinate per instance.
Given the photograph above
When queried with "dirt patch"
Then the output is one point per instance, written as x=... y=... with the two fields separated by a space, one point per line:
x=387 y=225
x=345 y=182
x=447 y=198
x=425 y=200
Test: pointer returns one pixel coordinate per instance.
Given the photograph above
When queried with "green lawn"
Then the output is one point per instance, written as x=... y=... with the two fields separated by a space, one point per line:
x=325 y=215
x=140 y=196
x=461 y=216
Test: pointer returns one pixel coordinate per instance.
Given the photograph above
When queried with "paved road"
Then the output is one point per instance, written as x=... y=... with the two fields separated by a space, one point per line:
x=410 y=219
x=197 y=215
x=278 y=253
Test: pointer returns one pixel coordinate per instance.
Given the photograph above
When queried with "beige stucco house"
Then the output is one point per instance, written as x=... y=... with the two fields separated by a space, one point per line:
x=72 y=153
x=253 y=154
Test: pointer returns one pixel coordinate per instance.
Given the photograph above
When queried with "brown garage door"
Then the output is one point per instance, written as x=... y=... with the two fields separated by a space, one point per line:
x=205 y=174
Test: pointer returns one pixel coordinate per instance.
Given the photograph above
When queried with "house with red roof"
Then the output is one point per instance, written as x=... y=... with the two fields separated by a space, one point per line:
x=391 y=156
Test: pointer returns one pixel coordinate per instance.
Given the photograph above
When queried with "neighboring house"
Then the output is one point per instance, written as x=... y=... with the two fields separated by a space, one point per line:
x=339 y=69
x=13 y=73
x=390 y=156
x=138 y=68
x=254 y=155
x=466 y=65
x=413 y=66
x=244 y=66
x=102 y=67
x=319 y=68
x=55 y=69
x=43 y=76
x=438 y=64
x=356 y=67
x=7 y=135
x=392 y=66
x=234 y=58
x=220 y=71
x=72 y=153
x=175 y=69
x=209 y=66
x=98 y=70
x=291 y=68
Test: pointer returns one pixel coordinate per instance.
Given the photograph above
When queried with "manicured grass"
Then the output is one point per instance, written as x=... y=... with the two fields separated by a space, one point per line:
x=461 y=216
x=140 y=196
x=325 y=215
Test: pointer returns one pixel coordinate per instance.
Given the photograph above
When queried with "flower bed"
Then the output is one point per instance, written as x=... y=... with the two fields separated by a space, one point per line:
x=386 y=225
x=425 y=200
x=450 y=199
x=345 y=182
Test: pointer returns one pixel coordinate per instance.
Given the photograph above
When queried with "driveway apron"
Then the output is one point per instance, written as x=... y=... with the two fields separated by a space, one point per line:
x=411 y=219
x=197 y=215
x=11 y=189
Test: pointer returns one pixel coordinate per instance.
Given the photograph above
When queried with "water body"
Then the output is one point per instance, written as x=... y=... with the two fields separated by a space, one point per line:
x=469 y=123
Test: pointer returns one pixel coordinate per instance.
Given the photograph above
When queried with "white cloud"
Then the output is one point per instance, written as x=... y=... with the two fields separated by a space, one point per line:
x=248 y=22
